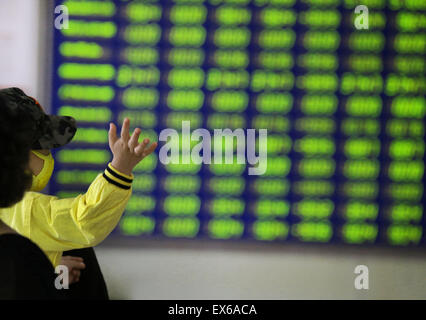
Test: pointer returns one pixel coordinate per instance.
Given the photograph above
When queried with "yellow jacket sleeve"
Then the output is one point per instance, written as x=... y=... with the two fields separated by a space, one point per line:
x=56 y=225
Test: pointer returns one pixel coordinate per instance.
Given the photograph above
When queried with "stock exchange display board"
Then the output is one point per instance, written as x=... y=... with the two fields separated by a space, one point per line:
x=344 y=110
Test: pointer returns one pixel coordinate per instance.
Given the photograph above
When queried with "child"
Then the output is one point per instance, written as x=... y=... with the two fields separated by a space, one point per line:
x=57 y=225
x=25 y=271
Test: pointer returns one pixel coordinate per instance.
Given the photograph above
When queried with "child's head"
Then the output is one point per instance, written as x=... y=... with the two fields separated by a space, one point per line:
x=15 y=146
x=50 y=131
x=46 y=132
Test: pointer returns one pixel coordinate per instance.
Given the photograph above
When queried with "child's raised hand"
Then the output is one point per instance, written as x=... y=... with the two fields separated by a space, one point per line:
x=126 y=150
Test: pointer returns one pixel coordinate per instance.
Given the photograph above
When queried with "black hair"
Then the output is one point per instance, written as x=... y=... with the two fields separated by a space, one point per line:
x=16 y=130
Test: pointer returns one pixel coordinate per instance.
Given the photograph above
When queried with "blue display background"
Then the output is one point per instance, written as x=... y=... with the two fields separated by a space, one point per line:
x=159 y=193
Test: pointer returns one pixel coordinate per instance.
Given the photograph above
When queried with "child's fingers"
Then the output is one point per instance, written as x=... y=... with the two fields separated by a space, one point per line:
x=75 y=275
x=149 y=150
x=133 y=142
x=141 y=147
x=78 y=258
x=112 y=134
x=74 y=258
x=125 y=130
x=76 y=265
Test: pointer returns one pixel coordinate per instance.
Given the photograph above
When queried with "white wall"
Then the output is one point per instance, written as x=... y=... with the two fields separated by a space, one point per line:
x=19 y=50
x=182 y=270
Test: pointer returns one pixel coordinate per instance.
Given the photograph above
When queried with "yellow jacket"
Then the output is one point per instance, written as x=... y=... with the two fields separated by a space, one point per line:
x=57 y=225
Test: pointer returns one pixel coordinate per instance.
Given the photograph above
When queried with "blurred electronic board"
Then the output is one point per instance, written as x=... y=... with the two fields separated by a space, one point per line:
x=344 y=109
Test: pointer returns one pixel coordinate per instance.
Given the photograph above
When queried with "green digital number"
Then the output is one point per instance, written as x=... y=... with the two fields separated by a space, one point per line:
x=181 y=227
x=225 y=228
x=270 y=230
x=136 y=225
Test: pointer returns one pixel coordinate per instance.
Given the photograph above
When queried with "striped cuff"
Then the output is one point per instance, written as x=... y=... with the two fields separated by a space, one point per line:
x=117 y=178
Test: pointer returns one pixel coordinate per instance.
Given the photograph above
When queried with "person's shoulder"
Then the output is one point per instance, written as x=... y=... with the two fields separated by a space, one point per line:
x=29 y=195
x=27 y=198
x=19 y=249
x=13 y=243
x=10 y=240
x=25 y=271
x=15 y=250
x=31 y=198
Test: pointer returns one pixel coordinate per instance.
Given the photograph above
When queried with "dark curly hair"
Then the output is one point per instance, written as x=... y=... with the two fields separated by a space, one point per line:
x=15 y=145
